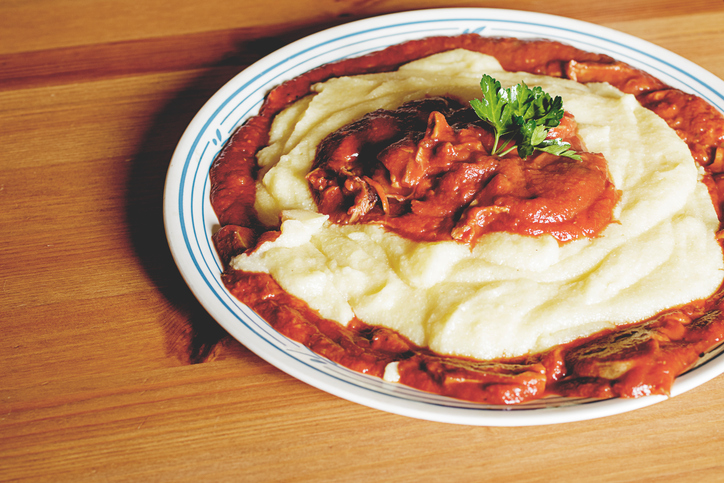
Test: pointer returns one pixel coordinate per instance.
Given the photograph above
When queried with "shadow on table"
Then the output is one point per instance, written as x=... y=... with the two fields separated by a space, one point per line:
x=192 y=335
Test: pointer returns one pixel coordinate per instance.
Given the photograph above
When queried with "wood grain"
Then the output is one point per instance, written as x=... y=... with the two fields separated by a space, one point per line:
x=112 y=371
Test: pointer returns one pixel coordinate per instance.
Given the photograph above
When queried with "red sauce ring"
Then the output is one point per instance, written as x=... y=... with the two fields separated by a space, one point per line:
x=640 y=359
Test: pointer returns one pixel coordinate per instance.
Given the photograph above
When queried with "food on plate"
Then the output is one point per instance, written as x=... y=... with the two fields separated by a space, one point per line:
x=486 y=218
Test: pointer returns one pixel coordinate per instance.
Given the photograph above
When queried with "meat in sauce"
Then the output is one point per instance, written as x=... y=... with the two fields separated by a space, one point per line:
x=425 y=171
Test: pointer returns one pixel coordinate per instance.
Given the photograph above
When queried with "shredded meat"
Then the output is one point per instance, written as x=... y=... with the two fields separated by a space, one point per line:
x=425 y=171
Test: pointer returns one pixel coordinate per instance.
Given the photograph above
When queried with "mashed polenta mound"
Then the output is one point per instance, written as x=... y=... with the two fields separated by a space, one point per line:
x=508 y=295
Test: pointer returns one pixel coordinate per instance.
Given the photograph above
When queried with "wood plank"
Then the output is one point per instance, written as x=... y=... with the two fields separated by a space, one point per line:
x=112 y=118
x=242 y=46
x=68 y=65
x=82 y=22
x=123 y=427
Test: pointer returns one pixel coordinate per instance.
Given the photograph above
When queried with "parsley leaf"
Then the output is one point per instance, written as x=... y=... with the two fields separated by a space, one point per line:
x=522 y=116
x=494 y=108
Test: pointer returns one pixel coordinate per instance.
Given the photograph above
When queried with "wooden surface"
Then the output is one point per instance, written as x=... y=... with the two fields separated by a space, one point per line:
x=111 y=371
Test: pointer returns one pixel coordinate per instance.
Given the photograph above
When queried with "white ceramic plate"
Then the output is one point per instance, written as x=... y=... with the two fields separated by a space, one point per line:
x=190 y=220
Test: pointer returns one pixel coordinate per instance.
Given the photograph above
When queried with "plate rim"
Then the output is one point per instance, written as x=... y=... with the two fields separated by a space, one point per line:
x=482 y=416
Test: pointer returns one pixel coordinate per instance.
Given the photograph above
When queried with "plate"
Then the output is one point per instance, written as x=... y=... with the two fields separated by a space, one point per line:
x=190 y=220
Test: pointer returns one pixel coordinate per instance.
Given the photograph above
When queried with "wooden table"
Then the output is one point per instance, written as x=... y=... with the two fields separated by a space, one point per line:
x=110 y=370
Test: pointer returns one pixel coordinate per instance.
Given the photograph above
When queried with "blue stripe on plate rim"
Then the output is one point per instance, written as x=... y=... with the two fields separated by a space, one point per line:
x=242 y=97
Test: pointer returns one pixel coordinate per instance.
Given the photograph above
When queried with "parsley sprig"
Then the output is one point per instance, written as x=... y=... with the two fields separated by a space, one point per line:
x=521 y=117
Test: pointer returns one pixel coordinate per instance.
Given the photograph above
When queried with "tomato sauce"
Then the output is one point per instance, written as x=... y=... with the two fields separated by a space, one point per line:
x=632 y=361
x=424 y=171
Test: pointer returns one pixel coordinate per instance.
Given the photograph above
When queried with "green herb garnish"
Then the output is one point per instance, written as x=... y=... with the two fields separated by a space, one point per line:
x=522 y=116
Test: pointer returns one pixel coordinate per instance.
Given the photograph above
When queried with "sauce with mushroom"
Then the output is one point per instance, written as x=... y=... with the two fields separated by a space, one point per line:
x=424 y=171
